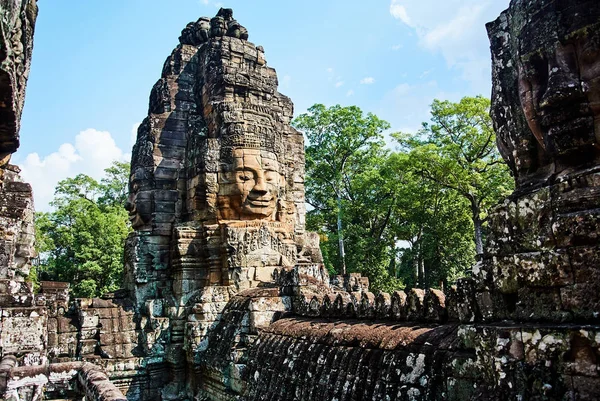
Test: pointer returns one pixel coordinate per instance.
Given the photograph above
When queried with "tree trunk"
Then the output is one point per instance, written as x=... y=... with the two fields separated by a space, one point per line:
x=341 y=235
x=418 y=260
x=423 y=281
x=416 y=265
x=477 y=224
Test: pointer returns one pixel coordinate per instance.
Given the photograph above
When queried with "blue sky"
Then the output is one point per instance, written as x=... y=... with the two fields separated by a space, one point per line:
x=95 y=61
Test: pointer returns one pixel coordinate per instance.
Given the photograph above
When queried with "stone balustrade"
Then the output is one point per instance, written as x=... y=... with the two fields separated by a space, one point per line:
x=71 y=379
x=416 y=305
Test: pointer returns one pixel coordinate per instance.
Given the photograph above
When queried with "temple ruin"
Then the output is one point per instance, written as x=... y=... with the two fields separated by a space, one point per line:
x=226 y=296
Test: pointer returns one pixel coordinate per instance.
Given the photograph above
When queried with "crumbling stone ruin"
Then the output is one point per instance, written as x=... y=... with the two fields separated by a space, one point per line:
x=226 y=297
x=17 y=19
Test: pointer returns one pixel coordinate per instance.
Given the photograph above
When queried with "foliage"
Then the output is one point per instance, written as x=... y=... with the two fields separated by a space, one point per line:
x=432 y=223
x=82 y=240
x=343 y=143
x=458 y=152
x=409 y=216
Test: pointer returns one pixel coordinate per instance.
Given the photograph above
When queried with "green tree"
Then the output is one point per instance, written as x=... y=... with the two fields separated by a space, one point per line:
x=457 y=151
x=342 y=142
x=82 y=240
x=429 y=230
x=411 y=217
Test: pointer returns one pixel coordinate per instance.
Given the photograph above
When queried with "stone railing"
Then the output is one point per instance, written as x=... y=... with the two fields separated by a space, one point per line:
x=57 y=379
x=414 y=305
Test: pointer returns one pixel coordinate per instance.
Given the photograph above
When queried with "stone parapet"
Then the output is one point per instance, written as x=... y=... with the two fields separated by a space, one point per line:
x=69 y=379
x=313 y=359
x=417 y=305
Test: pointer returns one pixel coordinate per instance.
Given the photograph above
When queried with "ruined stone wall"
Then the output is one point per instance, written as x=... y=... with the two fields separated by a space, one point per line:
x=22 y=331
x=541 y=262
x=17 y=22
x=17 y=19
x=312 y=359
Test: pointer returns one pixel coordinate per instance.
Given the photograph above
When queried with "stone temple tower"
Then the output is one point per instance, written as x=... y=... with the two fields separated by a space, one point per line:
x=217 y=185
x=217 y=176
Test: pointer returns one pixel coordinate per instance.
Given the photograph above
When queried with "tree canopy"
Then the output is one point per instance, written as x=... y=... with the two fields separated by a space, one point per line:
x=343 y=143
x=82 y=240
x=457 y=150
x=410 y=217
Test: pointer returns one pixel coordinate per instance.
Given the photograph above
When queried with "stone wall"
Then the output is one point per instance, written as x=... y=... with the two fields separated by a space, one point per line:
x=311 y=359
x=24 y=319
x=541 y=259
x=17 y=22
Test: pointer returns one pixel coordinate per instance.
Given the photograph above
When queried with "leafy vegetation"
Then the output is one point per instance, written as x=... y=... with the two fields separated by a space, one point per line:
x=342 y=144
x=413 y=217
x=458 y=152
x=82 y=240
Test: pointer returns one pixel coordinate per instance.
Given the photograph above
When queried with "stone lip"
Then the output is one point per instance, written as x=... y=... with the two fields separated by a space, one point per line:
x=365 y=334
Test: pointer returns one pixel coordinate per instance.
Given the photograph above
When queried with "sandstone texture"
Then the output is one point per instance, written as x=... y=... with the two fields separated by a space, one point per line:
x=17 y=21
x=22 y=330
x=226 y=296
x=542 y=257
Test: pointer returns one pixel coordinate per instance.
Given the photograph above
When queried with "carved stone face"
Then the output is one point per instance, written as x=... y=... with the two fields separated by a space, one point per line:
x=546 y=87
x=559 y=89
x=139 y=202
x=250 y=189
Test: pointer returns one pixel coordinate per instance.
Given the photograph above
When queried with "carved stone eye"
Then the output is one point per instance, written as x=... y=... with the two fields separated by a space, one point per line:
x=271 y=176
x=246 y=176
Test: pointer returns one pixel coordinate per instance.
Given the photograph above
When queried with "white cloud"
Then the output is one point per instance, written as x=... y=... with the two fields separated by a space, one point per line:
x=92 y=152
x=216 y=4
x=339 y=84
x=402 y=89
x=397 y=47
x=350 y=93
x=367 y=81
x=330 y=74
x=456 y=30
x=399 y=12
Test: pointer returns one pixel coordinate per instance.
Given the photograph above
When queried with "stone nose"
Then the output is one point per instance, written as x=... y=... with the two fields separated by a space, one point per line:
x=563 y=80
x=561 y=88
x=261 y=185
